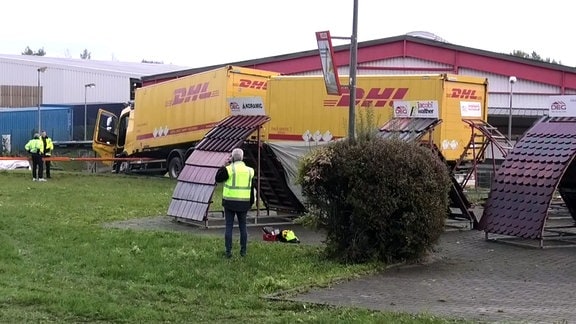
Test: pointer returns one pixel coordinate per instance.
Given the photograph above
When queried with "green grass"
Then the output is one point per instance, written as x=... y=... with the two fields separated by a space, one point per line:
x=58 y=263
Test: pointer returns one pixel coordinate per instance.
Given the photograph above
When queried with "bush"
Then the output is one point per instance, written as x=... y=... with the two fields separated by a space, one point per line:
x=381 y=200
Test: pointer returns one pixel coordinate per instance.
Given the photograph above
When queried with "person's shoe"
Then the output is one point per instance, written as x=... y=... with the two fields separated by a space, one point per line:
x=42 y=179
x=34 y=179
x=228 y=255
x=48 y=177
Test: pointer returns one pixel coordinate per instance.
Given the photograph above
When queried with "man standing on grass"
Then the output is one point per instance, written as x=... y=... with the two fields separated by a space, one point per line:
x=36 y=149
x=48 y=147
x=237 y=198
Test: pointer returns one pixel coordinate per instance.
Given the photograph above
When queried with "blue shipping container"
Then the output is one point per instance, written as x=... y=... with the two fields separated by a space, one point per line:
x=20 y=124
x=92 y=114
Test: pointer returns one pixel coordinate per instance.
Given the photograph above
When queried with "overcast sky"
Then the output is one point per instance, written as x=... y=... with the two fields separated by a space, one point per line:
x=200 y=33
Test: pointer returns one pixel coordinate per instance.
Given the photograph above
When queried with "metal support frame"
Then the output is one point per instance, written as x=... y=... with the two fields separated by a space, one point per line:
x=490 y=137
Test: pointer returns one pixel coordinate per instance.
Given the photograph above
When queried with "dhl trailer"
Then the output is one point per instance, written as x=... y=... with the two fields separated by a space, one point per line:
x=301 y=111
x=168 y=118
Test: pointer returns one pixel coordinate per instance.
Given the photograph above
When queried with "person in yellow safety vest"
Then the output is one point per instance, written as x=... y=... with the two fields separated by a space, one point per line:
x=36 y=149
x=237 y=198
x=48 y=148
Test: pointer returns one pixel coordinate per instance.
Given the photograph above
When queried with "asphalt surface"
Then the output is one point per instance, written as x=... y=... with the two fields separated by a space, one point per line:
x=467 y=277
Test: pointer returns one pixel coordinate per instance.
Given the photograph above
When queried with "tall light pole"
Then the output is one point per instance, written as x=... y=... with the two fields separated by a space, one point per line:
x=352 y=85
x=86 y=86
x=511 y=80
x=40 y=70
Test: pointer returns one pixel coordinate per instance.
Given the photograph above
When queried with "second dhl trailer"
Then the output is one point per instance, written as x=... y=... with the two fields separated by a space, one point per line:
x=302 y=112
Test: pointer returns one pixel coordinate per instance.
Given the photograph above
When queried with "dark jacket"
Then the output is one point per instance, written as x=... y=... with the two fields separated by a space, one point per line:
x=221 y=176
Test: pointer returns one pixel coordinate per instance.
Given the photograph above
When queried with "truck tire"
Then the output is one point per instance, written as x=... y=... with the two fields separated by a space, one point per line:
x=174 y=167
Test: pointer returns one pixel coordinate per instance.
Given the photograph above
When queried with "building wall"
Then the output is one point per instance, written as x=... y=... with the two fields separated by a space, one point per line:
x=63 y=85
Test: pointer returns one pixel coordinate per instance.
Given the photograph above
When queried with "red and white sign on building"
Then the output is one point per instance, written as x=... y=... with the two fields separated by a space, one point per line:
x=562 y=106
x=329 y=68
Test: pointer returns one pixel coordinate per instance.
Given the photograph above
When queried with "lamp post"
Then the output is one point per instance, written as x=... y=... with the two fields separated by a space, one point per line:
x=511 y=80
x=86 y=86
x=352 y=86
x=40 y=70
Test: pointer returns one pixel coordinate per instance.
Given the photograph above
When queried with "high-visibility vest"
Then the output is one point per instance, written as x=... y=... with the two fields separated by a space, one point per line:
x=289 y=235
x=35 y=145
x=239 y=184
x=49 y=146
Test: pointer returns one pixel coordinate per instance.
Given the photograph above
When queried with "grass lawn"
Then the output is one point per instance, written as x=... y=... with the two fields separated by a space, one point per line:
x=58 y=263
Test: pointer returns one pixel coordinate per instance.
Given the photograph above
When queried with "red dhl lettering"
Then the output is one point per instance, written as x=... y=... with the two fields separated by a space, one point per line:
x=252 y=84
x=374 y=97
x=464 y=94
x=194 y=92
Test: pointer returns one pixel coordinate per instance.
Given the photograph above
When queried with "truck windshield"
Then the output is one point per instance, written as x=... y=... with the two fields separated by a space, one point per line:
x=106 y=129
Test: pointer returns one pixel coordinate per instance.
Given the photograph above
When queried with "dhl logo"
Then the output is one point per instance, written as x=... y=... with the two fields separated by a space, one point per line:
x=194 y=92
x=374 y=97
x=464 y=94
x=252 y=84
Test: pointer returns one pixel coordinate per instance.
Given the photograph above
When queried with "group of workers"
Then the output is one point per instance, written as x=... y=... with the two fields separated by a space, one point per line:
x=40 y=147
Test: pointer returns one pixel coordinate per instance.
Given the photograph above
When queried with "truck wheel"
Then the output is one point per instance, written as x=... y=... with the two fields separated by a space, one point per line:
x=174 y=167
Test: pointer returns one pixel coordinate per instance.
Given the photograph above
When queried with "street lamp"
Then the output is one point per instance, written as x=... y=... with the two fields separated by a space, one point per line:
x=511 y=80
x=86 y=86
x=40 y=70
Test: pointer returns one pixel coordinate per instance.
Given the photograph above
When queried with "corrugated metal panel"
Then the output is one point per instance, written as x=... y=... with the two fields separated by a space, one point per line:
x=408 y=129
x=192 y=195
x=517 y=112
x=22 y=123
x=525 y=182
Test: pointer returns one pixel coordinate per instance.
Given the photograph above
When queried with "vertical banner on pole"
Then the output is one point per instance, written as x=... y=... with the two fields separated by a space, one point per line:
x=329 y=68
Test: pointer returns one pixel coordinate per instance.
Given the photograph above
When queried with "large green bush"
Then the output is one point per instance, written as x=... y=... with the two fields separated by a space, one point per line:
x=377 y=199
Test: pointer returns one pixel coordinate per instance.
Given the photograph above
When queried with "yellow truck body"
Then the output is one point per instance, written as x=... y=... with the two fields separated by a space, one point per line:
x=169 y=117
x=299 y=106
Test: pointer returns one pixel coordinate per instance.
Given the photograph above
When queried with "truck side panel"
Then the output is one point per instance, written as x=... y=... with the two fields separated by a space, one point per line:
x=181 y=111
x=454 y=135
x=299 y=106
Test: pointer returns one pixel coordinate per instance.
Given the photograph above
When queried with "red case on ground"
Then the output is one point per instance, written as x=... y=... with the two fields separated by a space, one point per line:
x=268 y=237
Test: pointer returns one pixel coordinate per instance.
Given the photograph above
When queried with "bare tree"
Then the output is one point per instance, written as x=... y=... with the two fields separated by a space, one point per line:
x=29 y=51
x=85 y=55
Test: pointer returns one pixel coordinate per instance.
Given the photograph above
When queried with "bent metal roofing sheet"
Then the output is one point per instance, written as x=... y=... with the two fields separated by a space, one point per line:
x=525 y=182
x=408 y=129
x=193 y=193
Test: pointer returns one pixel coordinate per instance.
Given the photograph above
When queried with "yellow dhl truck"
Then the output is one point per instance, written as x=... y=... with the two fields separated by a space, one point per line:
x=168 y=118
x=301 y=111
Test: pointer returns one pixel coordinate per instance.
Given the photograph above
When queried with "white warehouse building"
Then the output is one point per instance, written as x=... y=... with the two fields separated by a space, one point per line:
x=63 y=80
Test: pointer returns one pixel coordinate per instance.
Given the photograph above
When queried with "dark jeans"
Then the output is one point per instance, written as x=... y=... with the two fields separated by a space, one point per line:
x=37 y=166
x=47 y=167
x=229 y=216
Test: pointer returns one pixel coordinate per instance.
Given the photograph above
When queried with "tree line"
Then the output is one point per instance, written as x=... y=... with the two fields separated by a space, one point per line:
x=85 y=55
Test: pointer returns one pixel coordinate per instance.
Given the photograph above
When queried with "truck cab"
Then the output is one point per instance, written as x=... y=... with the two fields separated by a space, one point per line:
x=109 y=137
